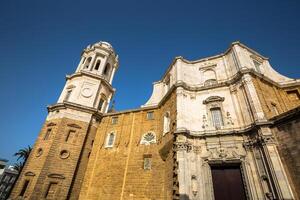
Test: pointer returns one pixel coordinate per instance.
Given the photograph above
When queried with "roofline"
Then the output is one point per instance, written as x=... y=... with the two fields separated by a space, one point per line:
x=210 y=57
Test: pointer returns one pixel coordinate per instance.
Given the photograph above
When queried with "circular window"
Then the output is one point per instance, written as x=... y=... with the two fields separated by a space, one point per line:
x=64 y=154
x=39 y=152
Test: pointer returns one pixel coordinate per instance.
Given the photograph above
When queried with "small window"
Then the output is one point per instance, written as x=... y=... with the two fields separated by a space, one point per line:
x=50 y=193
x=24 y=188
x=68 y=94
x=167 y=83
x=71 y=136
x=101 y=102
x=274 y=108
x=110 y=140
x=293 y=95
x=97 y=65
x=216 y=116
x=114 y=120
x=147 y=162
x=150 y=115
x=47 y=135
x=257 y=65
x=87 y=63
x=106 y=69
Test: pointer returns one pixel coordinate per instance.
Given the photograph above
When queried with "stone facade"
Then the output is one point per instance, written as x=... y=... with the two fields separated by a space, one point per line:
x=225 y=112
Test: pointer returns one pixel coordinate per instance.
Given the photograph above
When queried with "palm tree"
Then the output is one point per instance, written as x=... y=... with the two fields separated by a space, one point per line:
x=18 y=166
x=23 y=153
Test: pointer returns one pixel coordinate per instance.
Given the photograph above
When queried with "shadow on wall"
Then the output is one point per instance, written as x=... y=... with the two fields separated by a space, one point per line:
x=184 y=197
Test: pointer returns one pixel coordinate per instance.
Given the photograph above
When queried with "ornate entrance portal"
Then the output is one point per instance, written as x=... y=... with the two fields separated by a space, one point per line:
x=228 y=183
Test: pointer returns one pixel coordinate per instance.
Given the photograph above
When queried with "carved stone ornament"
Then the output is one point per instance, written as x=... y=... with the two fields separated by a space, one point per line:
x=182 y=146
x=259 y=141
x=213 y=99
x=197 y=149
x=86 y=92
x=225 y=154
x=148 y=138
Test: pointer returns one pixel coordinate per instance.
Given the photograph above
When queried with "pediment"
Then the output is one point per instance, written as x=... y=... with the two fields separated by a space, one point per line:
x=74 y=126
x=29 y=174
x=51 y=124
x=59 y=176
x=213 y=99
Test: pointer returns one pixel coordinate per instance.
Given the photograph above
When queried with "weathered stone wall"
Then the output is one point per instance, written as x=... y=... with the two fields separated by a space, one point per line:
x=271 y=94
x=286 y=129
x=46 y=165
x=118 y=172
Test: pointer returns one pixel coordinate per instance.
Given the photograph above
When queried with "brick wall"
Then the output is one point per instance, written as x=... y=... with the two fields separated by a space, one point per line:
x=270 y=94
x=287 y=132
x=118 y=172
x=47 y=167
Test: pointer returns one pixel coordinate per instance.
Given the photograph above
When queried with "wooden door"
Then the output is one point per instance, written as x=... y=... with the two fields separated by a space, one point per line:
x=228 y=182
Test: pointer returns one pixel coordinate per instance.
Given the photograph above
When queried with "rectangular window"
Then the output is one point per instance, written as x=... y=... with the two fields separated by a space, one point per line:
x=70 y=136
x=100 y=104
x=47 y=135
x=24 y=188
x=114 y=120
x=274 y=109
x=147 y=162
x=110 y=140
x=293 y=95
x=67 y=97
x=216 y=116
x=150 y=115
x=50 y=193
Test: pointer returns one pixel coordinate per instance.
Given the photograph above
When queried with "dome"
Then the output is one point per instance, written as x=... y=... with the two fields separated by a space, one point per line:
x=102 y=44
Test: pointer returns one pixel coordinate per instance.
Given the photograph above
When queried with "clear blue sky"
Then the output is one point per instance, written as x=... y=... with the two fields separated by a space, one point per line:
x=41 y=42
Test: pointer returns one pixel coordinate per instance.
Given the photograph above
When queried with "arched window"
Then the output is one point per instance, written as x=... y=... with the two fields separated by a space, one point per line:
x=209 y=77
x=106 y=69
x=101 y=102
x=68 y=94
x=97 y=65
x=110 y=140
x=216 y=117
x=87 y=63
x=166 y=123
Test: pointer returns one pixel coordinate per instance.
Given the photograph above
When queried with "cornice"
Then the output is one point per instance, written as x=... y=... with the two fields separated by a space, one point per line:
x=98 y=77
x=286 y=116
x=211 y=57
x=74 y=106
x=226 y=131
x=232 y=80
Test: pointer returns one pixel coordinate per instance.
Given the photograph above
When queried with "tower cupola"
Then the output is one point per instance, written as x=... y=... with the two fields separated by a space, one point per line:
x=99 y=59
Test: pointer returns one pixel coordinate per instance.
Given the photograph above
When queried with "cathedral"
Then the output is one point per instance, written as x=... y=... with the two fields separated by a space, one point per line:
x=224 y=127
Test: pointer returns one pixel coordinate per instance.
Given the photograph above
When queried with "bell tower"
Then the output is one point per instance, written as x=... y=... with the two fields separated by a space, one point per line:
x=58 y=160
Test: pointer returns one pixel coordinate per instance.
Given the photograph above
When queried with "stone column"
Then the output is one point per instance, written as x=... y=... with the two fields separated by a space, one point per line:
x=275 y=170
x=80 y=63
x=253 y=99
